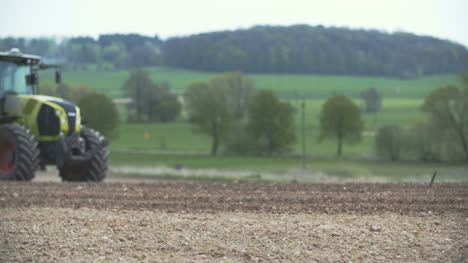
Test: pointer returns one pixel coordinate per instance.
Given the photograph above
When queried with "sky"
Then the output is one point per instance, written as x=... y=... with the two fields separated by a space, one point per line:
x=446 y=19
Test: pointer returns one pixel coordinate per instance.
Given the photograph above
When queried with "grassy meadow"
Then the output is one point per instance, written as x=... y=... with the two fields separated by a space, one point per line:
x=179 y=137
x=170 y=144
x=288 y=86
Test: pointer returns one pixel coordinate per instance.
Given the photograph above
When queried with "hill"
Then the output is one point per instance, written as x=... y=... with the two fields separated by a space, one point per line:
x=298 y=49
x=318 y=50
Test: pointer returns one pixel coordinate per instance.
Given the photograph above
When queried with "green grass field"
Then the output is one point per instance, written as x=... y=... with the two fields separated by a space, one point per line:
x=170 y=144
x=178 y=137
x=287 y=86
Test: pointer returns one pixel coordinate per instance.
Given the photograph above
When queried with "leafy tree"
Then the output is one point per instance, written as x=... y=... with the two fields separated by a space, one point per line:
x=42 y=47
x=464 y=79
x=271 y=122
x=166 y=107
x=139 y=88
x=373 y=100
x=144 y=55
x=130 y=50
x=46 y=88
x=100 y=113
x=115 y=54
x=151 y=102
x=232 y=92
x=72 y=92
x=427 y=142
x=389 y=142
x=340 y=118
x=206 y=106
x=448 y=109
x=423 y=141
x=68 y=91
x=82 y=51
x=239 y=141
x=238 y=89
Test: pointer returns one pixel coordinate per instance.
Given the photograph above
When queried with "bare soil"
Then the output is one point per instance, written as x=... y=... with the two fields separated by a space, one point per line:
x=131 y=220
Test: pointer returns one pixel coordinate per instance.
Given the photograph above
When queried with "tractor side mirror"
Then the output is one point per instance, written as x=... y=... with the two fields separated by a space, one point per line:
x=32 y=79
x=58 y=77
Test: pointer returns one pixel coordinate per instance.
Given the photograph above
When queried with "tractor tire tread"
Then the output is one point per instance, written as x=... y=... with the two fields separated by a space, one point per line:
x=27 y=152
x=95 y=170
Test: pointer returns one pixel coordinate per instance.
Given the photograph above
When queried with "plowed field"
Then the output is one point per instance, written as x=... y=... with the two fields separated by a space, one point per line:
x=126 y=220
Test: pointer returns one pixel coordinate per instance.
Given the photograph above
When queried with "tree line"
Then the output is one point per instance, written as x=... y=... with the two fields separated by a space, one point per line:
x=108 y=52
x=262 y=49
x=318 y=50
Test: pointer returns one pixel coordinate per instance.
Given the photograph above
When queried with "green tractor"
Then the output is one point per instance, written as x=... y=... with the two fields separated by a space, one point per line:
x=37 y=130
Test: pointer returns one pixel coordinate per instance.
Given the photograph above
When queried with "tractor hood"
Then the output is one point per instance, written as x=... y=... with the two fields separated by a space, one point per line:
x=48 y=118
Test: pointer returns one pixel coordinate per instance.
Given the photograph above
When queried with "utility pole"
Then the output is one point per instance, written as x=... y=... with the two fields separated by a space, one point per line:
x=303 y=105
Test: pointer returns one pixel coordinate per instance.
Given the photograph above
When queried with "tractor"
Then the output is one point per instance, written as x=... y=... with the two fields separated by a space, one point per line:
x=37 y=130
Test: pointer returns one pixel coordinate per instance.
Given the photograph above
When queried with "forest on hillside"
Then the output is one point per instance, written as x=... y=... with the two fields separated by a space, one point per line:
x=261 y=49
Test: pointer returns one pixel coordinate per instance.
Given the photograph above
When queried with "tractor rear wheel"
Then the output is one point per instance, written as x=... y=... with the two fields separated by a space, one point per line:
x=19 y=153
x=94 y=170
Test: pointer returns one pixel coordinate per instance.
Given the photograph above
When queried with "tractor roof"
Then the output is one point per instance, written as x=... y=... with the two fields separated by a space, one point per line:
x=14 y=55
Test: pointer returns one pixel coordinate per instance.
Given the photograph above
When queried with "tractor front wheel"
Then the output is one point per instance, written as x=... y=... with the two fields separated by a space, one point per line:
x=19 y=153
x=95 y=169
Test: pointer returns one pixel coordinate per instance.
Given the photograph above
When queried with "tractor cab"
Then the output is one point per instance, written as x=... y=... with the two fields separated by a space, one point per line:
x=17 y=73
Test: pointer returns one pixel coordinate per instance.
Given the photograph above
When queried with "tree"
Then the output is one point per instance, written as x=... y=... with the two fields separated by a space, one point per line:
x=238 y=89
x=239 y=141
x=138 y=87
x=82 y=51
x=270 y=122
x=115 y=54
x=42 y=47
x=100 y=113
x=373 y=100
x=448 y=109
x=218 y=106
x=423 y=141
x=464 y=79
x=340 y=118
x=389 y=142
x=48 y=89
x=72 y=92
x=206 y=106
x=146 y=54
x=68 y=91
x=151 y=102
x=166 y=107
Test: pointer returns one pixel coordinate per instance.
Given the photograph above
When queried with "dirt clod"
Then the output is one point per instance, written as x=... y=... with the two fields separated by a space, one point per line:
x=375 y=228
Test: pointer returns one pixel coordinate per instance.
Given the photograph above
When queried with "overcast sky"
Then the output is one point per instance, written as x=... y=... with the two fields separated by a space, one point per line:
x=447 y=19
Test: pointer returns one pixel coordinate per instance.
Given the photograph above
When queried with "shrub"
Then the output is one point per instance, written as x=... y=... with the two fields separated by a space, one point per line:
x=389 y=142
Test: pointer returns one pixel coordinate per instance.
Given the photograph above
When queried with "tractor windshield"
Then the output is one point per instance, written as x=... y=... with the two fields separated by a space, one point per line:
x=13 y=78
